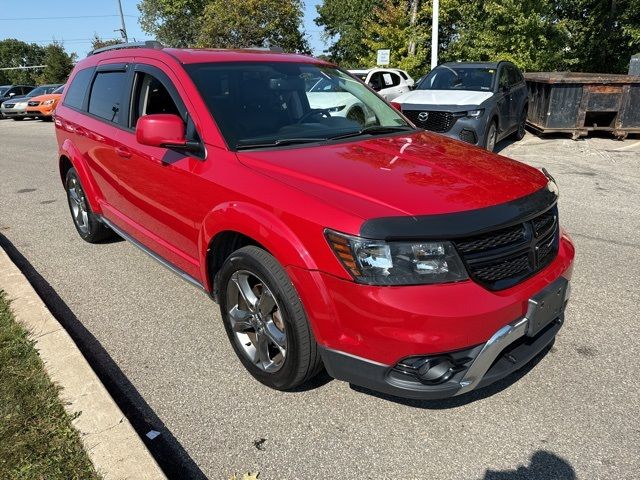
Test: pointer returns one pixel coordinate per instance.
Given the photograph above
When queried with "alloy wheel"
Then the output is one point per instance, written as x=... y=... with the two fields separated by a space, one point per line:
x=491 y=137
x=257 y=321
x=78 y=203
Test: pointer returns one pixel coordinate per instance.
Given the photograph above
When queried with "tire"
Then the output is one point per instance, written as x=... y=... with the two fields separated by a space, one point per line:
x=86 y=222
x=520 y=133
x=277 y=305
x=356 y=114
x=491 y=136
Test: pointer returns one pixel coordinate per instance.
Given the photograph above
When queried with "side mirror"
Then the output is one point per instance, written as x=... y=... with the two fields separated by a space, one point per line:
x=164 y=130
x=12 y=94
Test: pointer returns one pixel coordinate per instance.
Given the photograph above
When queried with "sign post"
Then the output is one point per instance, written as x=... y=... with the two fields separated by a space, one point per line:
x=383 y=57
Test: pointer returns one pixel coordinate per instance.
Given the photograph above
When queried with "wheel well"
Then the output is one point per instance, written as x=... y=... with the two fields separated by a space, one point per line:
x=221 y=247
x=65 y=166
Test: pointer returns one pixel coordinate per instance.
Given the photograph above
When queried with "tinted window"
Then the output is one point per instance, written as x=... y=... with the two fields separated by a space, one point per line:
x=78 y=88
x=514 y=75
x=150 y=97
x=504 y=77
x=60 y=89
x=106 y=93
x=43 y=90
x=403 y=75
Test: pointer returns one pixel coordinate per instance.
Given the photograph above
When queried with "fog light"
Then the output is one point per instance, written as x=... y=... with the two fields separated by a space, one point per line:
x=436 y=370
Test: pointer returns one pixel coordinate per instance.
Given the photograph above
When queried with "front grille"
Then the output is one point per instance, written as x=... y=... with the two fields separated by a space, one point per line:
x=505 y=257
x=435 y=121
x=33 y=104
x=9 y=105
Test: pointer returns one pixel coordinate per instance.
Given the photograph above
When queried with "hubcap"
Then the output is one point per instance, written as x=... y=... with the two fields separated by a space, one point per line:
x=78 y=204
x=256 y=321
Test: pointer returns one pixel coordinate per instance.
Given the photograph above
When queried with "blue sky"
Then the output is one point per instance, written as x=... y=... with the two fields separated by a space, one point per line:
x=35 y=24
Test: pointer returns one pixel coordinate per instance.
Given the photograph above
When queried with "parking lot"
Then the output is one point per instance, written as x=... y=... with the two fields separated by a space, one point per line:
x=161 y=345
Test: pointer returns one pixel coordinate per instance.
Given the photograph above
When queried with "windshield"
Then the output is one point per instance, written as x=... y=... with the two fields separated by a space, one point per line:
x=60 y=89
x=43 y=90
x=459 y=78
x=2 y=90
x=260 y=104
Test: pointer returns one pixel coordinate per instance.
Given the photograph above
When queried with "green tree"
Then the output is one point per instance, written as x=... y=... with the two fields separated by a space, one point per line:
x=253 y=23
x=15 y=53
x=98 y=42
x=58 y=64
x=389 y=27
x=343 y=22
x=603 y=34
x=175 y=23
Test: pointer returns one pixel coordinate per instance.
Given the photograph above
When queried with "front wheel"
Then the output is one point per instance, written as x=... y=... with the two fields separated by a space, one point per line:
x=491 y=135
x=265 y=320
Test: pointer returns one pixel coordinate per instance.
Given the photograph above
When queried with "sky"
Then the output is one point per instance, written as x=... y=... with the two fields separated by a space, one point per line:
x=40 y=22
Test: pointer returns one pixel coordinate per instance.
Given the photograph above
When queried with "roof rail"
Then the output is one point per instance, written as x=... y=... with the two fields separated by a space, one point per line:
x=121 y=46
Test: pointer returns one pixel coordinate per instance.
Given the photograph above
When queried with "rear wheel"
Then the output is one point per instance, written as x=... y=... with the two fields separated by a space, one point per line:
x=86 y=222
x=265 y=320
x=520 y=133
x=491 y=136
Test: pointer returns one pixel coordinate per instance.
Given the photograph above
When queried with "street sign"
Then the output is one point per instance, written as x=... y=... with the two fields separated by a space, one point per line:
x=383 y=57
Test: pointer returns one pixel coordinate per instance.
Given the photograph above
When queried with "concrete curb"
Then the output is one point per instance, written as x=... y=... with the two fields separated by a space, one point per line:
x=114 y=447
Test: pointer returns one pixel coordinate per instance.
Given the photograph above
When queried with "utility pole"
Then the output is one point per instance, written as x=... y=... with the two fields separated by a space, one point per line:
x=123 y=29
x=412 y=23
x=434 y=35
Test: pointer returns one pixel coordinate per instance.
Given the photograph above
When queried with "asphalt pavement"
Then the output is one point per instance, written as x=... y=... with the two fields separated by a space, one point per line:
x=162 y=349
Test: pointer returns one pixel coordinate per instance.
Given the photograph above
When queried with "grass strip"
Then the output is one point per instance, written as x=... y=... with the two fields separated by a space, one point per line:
x=37 y=440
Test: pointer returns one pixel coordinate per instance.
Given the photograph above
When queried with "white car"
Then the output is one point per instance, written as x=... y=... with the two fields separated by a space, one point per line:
x=325 y=95
x=388 y=82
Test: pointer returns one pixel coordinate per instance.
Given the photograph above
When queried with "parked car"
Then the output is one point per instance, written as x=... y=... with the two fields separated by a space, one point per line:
x=479 y=103
x=388 y=82
x=43 y=106
x=16 y=107
x=7 y=92
x=401 y=260
x=326 y=95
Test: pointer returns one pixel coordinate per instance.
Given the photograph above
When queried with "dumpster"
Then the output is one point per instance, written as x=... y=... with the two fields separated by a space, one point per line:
x=578 y=103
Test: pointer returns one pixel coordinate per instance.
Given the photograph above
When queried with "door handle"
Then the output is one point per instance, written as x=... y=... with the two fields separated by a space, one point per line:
x=123 y=152
x=81 y=132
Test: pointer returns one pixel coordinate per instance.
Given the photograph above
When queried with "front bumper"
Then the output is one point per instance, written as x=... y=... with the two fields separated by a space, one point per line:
x=14 y=112
x=39 y=112
x=508 y=350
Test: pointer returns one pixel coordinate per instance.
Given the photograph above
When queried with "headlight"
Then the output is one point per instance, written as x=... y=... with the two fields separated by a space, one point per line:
x=48 y=102
x=475 y=113
x=377 y=262
x=336 y=109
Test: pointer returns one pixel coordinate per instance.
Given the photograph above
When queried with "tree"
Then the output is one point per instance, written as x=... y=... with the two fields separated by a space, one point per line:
x=253 y=23
x=58 y=64
x=14 y=53
x=98 y=42
x=390 y=27
x=343 y=22
x=175 y=23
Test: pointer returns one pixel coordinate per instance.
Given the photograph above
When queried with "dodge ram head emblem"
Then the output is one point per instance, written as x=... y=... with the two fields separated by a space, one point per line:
x=423 y=116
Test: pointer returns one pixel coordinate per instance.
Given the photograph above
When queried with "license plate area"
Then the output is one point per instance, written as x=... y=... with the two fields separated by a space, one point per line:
x=546 y=306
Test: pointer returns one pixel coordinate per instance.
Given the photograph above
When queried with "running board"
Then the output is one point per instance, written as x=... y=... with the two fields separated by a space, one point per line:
x=156 y=257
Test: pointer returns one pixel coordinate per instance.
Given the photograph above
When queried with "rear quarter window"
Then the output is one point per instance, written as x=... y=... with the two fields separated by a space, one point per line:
x=78 y=88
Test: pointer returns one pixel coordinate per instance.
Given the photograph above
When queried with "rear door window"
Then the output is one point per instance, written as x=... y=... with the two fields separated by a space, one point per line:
x=78 y=89
x=106 y=95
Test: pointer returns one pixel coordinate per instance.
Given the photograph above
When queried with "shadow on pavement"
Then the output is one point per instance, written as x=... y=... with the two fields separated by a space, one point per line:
x=170 y=455
x=544 y=466
x=473 y=396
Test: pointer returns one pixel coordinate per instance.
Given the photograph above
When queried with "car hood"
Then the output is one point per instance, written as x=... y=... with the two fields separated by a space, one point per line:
x=44 y=98
x=417 y=174
x=16 y=99
x=442 y=97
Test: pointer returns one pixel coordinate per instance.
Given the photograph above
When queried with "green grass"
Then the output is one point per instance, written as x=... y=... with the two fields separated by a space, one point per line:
x=37 y=440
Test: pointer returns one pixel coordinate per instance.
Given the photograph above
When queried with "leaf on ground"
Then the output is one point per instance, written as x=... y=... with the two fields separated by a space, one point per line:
x=245 y=476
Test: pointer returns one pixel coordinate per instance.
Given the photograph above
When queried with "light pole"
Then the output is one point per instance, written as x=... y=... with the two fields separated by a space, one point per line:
x=434 y=34
x=123 y=29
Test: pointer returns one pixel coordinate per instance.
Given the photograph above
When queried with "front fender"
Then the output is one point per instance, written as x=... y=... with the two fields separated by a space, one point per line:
x=91 y=190
x=259 y=224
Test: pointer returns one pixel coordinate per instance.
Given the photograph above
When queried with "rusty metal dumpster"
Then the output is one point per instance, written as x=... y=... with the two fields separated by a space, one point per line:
x=578 y=103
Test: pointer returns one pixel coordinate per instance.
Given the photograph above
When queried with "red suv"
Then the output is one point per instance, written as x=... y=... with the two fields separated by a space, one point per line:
x=401 y=260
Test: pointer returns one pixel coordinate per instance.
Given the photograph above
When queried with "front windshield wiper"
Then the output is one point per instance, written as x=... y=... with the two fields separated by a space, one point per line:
x=372 y=130
x=279 y=143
